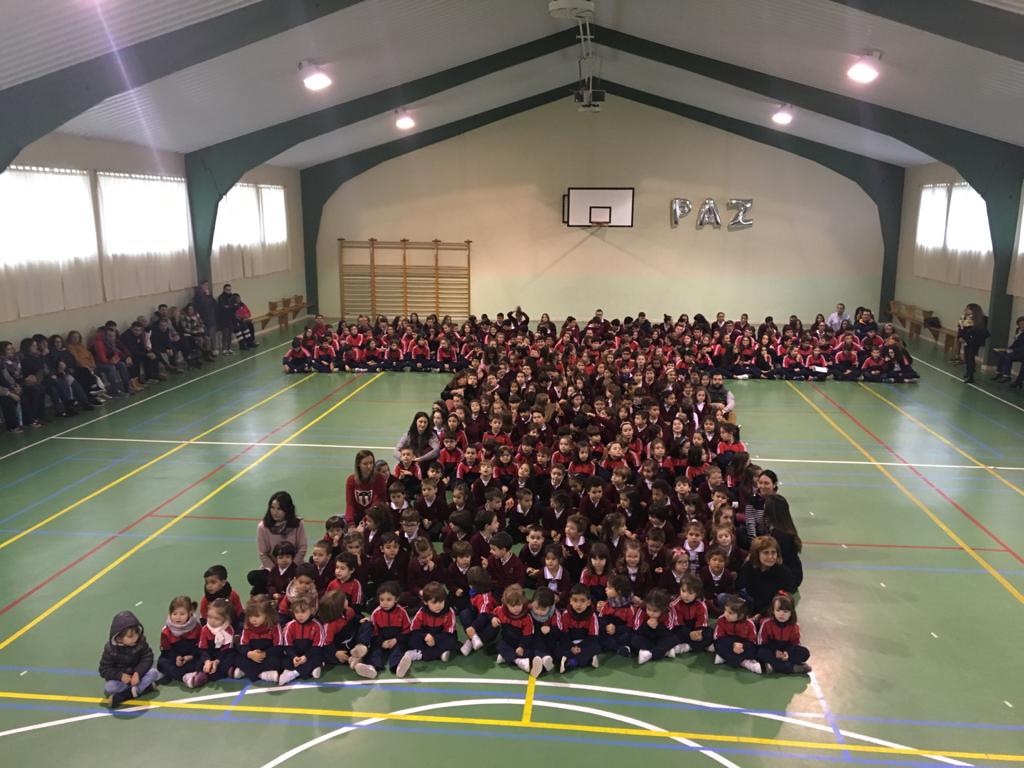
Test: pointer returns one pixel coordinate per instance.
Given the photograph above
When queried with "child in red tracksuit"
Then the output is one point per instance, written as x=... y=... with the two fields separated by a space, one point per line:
x=216 y=644
x=617 y=616
x=653 y=636
x=347 y=635
x=345 y=566
x=298 y=359
x=778 y=640
x=179 y=641
x=735 y=637
x=477 y=618
x=391 y=629
x=258 y=656
x=432 y=636
x=579 y=646
x=690 y=614
x=547 y=626
x=301 y=641
x=515 y=643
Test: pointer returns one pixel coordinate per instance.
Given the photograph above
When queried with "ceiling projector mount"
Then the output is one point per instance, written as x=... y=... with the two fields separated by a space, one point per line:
x=588 y=95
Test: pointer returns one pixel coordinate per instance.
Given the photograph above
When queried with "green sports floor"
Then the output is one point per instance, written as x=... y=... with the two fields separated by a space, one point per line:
x=910 y=501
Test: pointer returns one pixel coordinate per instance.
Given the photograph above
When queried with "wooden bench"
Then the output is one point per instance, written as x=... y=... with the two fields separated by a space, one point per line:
x=285 y=310
x=948 y=337
x=911 y=317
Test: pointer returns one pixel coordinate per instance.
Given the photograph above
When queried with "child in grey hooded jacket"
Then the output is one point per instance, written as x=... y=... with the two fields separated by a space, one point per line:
x=127 y=661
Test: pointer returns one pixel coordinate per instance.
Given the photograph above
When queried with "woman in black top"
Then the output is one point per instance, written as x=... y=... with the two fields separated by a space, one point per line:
x=973 y=332
x=780 y=525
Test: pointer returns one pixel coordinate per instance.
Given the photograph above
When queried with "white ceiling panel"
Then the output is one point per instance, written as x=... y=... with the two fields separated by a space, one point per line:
x=486 y=93
x=365 y=48
x=42 y=36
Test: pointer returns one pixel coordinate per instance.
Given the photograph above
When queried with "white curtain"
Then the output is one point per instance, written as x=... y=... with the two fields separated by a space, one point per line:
x=146 y=235
x=931 y=258
x=968 y=237
x=275 y=256
x=238 y=234
x=1016 y=284
x=48 y=253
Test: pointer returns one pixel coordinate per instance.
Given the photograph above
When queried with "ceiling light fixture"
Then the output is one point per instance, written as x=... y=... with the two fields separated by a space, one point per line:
x=783 y=115
x=865 y=69
x=403 y=120
x=314 y=78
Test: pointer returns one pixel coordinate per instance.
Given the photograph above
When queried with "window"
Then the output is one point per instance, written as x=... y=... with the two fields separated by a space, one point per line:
x=276 y=255
x=237 y=234
x=931 y=216
x=954 y=243
x=48 y=253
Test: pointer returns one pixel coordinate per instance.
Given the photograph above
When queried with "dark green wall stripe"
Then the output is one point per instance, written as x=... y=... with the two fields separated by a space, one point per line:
x=44 y=104
x=974 y=24
x=321 y=181
x=212 y=171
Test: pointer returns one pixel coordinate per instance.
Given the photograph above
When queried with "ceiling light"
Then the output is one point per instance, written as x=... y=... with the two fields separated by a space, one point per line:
x=783 y=116
x=865 y=69
x=314 y=78
x=404 y=121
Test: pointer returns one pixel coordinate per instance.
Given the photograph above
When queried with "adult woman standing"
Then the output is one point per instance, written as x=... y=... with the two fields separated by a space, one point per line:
x=973 y=332
x=781 y=527
x=426 y=446
x=280 y=523
x=364 y=488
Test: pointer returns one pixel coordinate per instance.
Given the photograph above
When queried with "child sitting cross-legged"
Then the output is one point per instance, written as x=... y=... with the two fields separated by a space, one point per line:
x=476 y=618
x=347 y=635
x=515 y=644
x=391 y=629
x=617 y=615
x=127 y=661
x=653 y=637
x=301 y=641
x=690 y=615
x=258 y=656
x=579 y=646
x=547 y=626
x=735 y=636
x=179 y=641
x=432 y=636
x=216 y=644
x=778 y=640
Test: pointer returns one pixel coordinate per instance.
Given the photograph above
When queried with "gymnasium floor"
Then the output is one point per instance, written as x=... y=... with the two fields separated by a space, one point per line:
x=912 y=603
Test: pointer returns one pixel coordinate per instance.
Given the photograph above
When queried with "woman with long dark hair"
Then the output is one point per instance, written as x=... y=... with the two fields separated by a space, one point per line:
x=279 y=523
x=973 y=332
x=426 y=446
x=781 y=527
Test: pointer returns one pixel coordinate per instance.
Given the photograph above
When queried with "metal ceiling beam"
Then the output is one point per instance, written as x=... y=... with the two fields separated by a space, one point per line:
x=37 y=107
x=974 y=24
x=212 y=171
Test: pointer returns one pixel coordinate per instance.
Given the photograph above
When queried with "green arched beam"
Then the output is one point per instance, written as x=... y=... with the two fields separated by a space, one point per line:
x=971 y=23
x=994 y=168
x=212 y=171
x=45 y=103
x=883 y=182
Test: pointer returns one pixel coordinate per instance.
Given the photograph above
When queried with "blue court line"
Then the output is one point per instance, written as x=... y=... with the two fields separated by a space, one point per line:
x=831 y=566
x=237 y=700
x=504 y=692
x=129 y=535
x=46 y=468
x=961 y=404
x=64 y=488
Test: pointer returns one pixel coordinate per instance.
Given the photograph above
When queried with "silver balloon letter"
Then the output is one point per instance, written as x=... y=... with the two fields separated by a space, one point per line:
x=708 y=214
x=679 y=208
x=742 y=206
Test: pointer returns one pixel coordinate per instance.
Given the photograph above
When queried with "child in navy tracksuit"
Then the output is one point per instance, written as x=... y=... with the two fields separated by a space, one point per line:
x=579 y=646
x=216 y=643
x=617 y=616
x=391 y=629
x=347 y=635
x=476 y=619
x=735 y=636
x=515 y=643
x=179 y=642
x=432 y=637
x=653 y=635
x=301 y=641
x=778 y=640
x=547 y=628
x=690 y=615
x=259 y=657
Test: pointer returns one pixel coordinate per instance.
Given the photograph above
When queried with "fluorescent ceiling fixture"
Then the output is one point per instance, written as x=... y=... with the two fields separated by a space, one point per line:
x=314 y=78
x=783 y=116
x=865 y=69
x=404 y=121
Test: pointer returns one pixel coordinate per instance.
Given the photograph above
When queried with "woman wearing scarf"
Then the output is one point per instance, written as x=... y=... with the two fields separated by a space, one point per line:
x=280 y=523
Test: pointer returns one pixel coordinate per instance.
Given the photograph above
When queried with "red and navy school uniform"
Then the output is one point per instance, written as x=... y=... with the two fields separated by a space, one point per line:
x=728 y=633
x=227 y=593
x=716 y=588
x=458 y=586
x=641 y=580
x=263 y=638
x=595 y=583
x=468 y=472
x=382 y=570
x=323 y=357
x=516 y=631
x=581 y=469
x=440 y=625
x=505 y=573
x=575 y=555
x=219 y=647
x=479 y=489
x=278 y=580
x=579 y=630
x=816 y=361
x=172 y=646
x=323 y=577
x=519 y=520
x=418 y=355
x=531 y=560
x=690 y=618
x=449 y=461
x=621 y=617
x=352 y=588
x=873 y=368
x=298 y=360
x=773 y=637
x=297 y=638
x=344 y=634
x=659 y=639
x=846 y=365
x=417 y=576
x=478 y=615
x=547 y=632
x=390 y=624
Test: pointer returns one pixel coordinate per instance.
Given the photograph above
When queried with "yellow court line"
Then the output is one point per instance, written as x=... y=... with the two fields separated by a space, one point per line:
x=148 y=464
x=175 y=520
x=533 y=724
x=917 y=502
x=531 y=686
x=945 y=440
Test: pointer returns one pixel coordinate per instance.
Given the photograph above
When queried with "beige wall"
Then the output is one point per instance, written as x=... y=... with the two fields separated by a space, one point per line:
x=66 y=151
x=816 y=239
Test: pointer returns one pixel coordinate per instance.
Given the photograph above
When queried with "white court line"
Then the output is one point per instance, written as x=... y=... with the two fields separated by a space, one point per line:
x=343 y=446
x=972 y=386
x=140 y=401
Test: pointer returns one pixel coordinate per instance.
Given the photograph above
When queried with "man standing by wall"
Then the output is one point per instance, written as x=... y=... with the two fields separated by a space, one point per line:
x=206 y=308
x=835 y=320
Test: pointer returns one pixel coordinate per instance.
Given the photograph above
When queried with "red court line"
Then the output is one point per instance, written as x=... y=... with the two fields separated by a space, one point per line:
x=1005 y=547
x=893 y=546
x=153 y=512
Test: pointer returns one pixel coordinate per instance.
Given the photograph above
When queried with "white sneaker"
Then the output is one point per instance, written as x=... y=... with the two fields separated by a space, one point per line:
x=287 y=676
x=536 y=666
x=229 y=351
x=644 y=656
x=561 y=666
x=769 y=668
x=238 y=674
x=406 y=662
x=268 y=677
x=317 y=672
x=477 y=642
x=467 y=648
x=751 y=665
x=446 y=656
x=549 y=663
x=524 y=665
x=365 y=670
x=595 y=662
x=670 y=653
x=214 y=353
x=681 y=648
x=719 y=659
